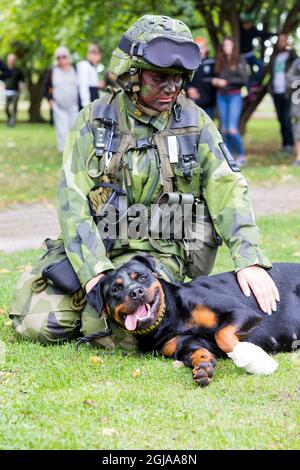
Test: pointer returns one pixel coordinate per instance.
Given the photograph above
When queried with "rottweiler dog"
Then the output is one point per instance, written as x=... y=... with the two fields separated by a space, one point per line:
x=204 y=319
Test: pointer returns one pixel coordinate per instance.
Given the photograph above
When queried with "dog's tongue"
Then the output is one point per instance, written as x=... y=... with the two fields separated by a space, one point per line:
x=131 y=320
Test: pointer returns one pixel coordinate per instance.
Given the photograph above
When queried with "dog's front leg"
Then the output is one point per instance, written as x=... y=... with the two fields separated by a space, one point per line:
x=193 y=353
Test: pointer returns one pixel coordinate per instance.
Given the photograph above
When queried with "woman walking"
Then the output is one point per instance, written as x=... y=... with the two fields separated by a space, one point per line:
x=230 y=77
x=62 y=93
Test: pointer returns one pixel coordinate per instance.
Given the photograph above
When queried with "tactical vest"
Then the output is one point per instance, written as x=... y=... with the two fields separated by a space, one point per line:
x=109 y=136
x=112 y=142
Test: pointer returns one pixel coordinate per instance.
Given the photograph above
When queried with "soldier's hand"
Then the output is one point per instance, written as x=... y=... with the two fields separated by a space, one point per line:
x=92 y=282
x=257 y=280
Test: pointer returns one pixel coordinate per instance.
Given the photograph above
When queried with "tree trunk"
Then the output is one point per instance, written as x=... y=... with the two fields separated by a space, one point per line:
x=35 y=89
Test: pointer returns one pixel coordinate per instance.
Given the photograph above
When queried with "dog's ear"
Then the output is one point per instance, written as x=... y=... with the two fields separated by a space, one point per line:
x=95 y=297
x=147 y=261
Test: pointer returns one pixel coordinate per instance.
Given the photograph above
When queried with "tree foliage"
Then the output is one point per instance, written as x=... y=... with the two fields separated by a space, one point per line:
x=34 y=28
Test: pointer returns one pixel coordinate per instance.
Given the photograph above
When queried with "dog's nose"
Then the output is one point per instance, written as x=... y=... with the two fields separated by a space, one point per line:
x=137 y=293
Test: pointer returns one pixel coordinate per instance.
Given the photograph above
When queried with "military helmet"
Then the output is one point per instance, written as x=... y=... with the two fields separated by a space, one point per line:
x=155 y=43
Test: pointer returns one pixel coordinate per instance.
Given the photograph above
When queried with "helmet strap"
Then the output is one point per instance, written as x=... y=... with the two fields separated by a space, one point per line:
x=135 y=79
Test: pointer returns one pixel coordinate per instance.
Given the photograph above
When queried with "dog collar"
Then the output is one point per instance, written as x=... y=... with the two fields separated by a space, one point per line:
x=155 y=324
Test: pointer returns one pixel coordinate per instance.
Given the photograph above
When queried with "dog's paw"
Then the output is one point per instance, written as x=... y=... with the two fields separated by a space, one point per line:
x=203 y=372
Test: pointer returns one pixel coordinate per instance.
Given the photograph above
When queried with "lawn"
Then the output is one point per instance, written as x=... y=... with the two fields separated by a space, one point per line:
x=56 y=398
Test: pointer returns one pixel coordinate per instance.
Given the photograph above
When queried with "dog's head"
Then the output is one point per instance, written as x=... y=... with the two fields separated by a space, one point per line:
x=131 y=295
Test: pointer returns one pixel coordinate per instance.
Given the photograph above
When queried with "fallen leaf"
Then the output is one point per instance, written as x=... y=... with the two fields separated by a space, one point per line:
x=177 y=364
x=296 y=254
x=2 y=311
x=136 y=373
x=109 y=431
x=5 y=271
x=90 y=402
x=96 y=360
x=22 y=268
x=5 y=374
x=8 y=323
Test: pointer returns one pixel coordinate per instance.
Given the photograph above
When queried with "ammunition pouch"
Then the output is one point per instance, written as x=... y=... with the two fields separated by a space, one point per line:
x=185 y=220
x=56 y=268
x=202 y=252
x=100 y=208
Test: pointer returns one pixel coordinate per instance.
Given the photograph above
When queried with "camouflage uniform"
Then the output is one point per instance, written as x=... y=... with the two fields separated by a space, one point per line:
x=145 y=172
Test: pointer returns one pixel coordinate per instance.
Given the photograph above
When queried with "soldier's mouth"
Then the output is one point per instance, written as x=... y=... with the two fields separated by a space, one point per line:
x=145 y=314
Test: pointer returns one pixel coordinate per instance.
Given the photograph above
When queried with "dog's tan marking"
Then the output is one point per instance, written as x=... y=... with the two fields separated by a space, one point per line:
x=201 y=355
x=134 y=275
x=169 y=348
x=203 y=316
x=226 y=338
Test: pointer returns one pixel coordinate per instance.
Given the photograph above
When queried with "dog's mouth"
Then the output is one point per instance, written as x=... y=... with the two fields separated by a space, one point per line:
x=143 y=316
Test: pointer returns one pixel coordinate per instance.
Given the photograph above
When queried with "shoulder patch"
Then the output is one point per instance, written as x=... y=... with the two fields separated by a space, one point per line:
x=230 y=160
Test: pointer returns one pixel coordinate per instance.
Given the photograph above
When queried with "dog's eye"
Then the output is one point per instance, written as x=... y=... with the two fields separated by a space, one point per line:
x=143 y=277
x=116 y=288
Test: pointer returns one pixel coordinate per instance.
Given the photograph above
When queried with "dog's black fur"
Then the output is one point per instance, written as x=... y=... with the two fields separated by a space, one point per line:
x=203 y=318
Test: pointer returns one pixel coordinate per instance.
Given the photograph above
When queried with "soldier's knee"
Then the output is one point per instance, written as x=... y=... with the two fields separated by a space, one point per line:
x=47 y=328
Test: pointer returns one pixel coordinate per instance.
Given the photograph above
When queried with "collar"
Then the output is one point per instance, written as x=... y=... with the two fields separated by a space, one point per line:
x=159 y=122
x=153 y=327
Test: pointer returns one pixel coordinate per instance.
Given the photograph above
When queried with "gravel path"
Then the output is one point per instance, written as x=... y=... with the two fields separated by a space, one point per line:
x=25 y=226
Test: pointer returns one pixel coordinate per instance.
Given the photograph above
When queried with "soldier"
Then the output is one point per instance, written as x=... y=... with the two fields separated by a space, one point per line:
x=123 y=139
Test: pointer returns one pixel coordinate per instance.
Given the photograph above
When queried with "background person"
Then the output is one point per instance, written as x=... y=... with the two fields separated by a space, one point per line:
x=248 y=32
x=4 y=71
x=293 y=85
x=284 y=58
x=62 y=93
x=230 y=77
x=88 y=75
x=13 y=87
x=200 y=89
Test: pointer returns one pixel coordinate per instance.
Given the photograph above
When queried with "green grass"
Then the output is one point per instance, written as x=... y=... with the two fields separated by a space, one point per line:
x=30 y=163
x=55 y=398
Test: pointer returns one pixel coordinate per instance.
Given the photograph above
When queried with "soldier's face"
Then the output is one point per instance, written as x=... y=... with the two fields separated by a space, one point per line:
x=159 y=90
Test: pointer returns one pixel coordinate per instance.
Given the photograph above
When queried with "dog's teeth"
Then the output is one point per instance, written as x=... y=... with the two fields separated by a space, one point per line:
x=148 y=307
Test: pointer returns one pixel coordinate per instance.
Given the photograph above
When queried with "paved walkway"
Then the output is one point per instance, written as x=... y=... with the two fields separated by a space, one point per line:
x=25 y=226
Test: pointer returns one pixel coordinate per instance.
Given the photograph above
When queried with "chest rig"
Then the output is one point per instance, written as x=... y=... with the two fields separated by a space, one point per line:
x=176 y=147
x=179 y=170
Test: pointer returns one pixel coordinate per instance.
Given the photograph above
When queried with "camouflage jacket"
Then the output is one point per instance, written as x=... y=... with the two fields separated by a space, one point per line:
x=217 y=178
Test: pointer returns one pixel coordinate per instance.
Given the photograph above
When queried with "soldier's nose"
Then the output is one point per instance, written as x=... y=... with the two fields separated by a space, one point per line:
x=170 y=87
x=137 y=293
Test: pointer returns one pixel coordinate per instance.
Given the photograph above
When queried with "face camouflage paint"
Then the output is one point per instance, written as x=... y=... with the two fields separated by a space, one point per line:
x=159 y=90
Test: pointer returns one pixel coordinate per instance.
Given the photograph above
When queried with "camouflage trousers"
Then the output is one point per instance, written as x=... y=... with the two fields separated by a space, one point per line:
x=47 y=316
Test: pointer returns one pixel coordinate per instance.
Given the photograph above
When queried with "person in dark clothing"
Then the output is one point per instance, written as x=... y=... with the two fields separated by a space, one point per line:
x=47 y=93
x=248 y=32
x=230 y=77
x=284 y=58
x=200 y=89
x=13 y=86
x=4 y=71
